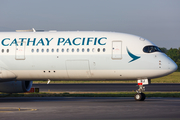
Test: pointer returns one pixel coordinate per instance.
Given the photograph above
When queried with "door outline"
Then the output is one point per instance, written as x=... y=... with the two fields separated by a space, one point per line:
x=120 y=48
x=20 y=51
x=85 y=73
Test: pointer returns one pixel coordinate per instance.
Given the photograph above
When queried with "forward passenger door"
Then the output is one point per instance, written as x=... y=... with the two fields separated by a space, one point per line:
x=20 y=51
x=116 y=49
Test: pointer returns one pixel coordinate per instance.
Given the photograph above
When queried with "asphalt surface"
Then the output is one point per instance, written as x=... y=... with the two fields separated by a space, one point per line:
x=87 y=108
x=104 y=87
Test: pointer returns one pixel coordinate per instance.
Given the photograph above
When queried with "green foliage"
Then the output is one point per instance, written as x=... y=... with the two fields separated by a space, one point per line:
x=174 y=54
x=164 y=50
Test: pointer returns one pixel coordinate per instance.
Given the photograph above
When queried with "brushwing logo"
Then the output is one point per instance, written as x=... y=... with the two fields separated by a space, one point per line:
x=134 y=57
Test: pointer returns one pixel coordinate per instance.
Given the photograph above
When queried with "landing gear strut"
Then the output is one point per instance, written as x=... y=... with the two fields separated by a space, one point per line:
x=140 y=96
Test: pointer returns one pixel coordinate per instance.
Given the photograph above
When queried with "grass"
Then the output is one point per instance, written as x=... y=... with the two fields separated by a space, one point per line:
x=172 y=78
x=99 y=94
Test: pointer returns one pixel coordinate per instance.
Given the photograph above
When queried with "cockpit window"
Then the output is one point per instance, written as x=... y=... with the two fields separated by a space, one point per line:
x=151 y=49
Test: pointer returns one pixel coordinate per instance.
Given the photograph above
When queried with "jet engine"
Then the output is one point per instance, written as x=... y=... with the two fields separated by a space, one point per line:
x=15 y=86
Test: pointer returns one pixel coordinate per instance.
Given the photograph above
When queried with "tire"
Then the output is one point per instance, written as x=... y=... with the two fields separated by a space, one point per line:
x=139 y=96
x=143 y=97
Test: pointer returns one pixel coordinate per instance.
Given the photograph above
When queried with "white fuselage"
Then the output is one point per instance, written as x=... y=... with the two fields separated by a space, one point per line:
x=79 y=55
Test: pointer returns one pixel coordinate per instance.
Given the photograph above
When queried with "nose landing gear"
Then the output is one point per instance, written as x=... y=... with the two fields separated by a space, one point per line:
x=140 y=96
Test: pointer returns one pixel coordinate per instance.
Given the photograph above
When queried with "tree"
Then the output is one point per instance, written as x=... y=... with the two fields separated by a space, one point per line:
x=174 y=54
x=164 y=50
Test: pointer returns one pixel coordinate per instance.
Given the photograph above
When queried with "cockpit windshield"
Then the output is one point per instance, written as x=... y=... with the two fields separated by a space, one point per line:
x=151 y=49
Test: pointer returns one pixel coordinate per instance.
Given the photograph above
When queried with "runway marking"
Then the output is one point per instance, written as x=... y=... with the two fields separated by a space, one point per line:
x=9 y=109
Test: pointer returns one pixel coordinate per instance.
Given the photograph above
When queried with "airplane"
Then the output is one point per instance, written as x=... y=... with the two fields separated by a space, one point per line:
x=26 y=56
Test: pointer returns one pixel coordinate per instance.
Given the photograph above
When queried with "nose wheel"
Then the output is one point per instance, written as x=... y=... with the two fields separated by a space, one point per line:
x=140 y=97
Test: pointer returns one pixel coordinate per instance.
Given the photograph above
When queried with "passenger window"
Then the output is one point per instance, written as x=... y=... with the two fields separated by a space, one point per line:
x=98 y=49
x=42 y=50
x=62 y=50
x=88 y=50
x=52 y=50
x=7 y=50
x=57 y=50
x=67 y=49
x=37 y=50
x=82 y=49
x=32 y=50
x=47 y=50
x=77 y=49
x=2 y=50
x=72 y=49
x=104 y=49
x=93 y=50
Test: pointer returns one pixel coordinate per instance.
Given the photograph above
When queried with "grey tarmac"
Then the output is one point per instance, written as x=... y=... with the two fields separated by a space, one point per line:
x=105 y=87
x=88 y=108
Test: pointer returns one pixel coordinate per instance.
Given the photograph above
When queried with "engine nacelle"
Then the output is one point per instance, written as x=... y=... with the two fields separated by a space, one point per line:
x=6 y=74
x=15 y=86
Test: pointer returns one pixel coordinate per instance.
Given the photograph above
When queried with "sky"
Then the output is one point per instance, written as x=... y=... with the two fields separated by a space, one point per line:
x=155 y=20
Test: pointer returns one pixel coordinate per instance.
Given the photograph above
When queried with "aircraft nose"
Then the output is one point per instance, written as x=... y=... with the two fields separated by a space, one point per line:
x=172 y=66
